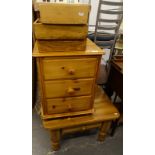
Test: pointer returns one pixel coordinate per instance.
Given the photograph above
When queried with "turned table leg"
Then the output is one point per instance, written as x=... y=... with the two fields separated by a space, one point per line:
x=103 y=130
x=55 y=139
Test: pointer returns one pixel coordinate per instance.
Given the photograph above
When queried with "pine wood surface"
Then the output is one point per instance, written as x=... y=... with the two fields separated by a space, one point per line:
x=103 y=130
x=68 y=75
x=69 y=68
x=46 y=116
x=68 y=88
x=70 y=104
x=58 y=13
x=59 y=32
x=57 y=134
x=55 y=139
x=91 y=49
x=61 y=45
x=80 y=128
x=104 y=110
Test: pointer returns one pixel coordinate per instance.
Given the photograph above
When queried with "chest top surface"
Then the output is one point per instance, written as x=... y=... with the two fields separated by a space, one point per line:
x=91 y=49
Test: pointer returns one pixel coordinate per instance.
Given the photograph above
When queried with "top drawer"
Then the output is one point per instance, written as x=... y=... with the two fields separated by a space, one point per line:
x=58 y=13
x=69 y=68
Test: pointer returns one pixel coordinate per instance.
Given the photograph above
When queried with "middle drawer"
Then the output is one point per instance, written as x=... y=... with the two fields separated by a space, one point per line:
x=69 y=68
x=66 y=88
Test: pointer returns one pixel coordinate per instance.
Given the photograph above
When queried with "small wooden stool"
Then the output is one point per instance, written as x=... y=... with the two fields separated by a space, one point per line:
x=104 y=114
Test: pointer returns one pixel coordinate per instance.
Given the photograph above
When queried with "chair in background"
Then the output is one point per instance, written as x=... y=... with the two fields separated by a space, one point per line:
x=109 y=18
x=108 y=21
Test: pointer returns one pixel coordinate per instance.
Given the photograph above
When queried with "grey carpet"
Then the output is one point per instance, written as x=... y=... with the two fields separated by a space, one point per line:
x=77 y=144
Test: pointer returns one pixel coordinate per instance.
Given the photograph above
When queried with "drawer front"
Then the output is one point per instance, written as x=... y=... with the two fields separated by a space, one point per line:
x=70 y=104
x=66 y=88
x=69 y=68
x=80 y=128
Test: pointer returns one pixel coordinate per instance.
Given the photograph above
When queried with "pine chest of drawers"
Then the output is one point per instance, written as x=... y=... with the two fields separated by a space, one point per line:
x=67 y=80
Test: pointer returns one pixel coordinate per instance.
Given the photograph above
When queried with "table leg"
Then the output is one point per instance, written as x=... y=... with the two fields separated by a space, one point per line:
x=103 y=130
x=55 y=139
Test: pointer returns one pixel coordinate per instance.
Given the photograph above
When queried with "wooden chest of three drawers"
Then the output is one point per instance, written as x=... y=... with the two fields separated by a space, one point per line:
x=67 y=80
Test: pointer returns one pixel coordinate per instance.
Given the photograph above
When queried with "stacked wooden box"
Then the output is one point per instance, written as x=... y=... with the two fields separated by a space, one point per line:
x=62 y=27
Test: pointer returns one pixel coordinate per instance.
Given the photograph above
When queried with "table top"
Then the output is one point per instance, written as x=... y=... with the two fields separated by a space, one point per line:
x=103 y=110
x=117 y=62
x=91 y=49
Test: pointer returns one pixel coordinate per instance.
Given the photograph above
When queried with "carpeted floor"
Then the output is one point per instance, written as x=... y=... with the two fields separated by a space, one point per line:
x=77 y=144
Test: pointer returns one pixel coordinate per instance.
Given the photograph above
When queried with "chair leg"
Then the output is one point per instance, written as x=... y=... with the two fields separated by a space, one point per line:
x=113 y=127
x=103 y=130
x=115 y=97
x=55 y=139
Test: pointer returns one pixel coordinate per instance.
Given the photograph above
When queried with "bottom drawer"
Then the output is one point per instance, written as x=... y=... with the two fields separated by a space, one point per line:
x=80 y=128
x=69 y=104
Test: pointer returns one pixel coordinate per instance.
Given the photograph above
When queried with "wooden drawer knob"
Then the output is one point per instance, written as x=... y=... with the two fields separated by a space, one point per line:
x=71 y=71
x=71 y=91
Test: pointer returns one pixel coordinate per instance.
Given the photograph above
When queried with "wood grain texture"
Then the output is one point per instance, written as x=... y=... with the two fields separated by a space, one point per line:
x=46 y=116
x=66 y=75
x=62 y=88
x=70 y=104
x=62 y=32
x=40 y=83
x=69 y=68
x=55 y=139
x=58 y=13
x=91 y=49
x=80 y=128
x=104 y=111
x=72 y=92
x=61 y=45
x=103 y=130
